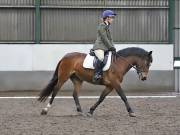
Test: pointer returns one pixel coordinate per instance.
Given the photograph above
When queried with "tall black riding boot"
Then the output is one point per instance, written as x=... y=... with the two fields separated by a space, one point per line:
x=98 y=71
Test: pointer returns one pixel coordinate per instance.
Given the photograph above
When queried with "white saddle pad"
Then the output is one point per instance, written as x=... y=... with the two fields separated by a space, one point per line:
x=88 y=62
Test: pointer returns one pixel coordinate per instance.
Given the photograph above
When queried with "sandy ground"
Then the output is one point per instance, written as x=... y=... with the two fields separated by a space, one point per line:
x=154 y=117
x=85 y=93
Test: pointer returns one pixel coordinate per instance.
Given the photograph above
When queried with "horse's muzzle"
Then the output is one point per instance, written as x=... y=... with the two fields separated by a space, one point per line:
x=143 y=76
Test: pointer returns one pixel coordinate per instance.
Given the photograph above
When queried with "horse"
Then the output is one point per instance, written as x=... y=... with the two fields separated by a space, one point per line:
x=71 y=67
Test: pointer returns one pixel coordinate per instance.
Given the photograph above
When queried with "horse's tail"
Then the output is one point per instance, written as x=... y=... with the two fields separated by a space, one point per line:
x=46 y=92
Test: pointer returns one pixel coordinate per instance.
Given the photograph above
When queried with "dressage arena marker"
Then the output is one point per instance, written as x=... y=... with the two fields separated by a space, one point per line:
x=89 y=97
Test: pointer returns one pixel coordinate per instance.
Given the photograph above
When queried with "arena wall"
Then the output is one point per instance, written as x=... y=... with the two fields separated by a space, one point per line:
x=30 y=66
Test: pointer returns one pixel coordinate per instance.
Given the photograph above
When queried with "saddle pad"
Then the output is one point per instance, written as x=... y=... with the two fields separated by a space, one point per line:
x=88 y=62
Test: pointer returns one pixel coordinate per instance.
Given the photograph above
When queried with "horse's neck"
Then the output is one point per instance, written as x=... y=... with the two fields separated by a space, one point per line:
x=129 y=61
x=133 y=60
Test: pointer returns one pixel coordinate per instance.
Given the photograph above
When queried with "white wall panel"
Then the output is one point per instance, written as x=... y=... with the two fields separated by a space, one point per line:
x=45 y=57
x=15 y=57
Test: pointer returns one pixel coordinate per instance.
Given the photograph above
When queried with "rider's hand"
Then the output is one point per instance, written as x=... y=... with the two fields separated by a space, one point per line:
x=113 y=49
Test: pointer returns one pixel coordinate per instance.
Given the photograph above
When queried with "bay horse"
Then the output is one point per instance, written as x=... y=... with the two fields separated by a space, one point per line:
x=71 y=66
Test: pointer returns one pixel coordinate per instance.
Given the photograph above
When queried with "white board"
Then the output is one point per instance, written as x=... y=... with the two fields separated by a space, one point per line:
x=45 y=57
x=177 y=63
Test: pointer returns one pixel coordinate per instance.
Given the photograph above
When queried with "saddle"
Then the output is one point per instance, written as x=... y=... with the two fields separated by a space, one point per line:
x=91 y=60
x=104 y=61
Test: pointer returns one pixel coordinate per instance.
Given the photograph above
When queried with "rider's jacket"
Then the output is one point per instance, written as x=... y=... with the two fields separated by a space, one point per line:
x=104 y=39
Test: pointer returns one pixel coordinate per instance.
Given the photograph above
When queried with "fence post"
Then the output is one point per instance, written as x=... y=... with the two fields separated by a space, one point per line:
x=171 y=18
x=177 y=75
x=37 y=22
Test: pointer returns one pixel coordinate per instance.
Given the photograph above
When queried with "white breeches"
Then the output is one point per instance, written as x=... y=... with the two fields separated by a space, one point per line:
x=100 y=54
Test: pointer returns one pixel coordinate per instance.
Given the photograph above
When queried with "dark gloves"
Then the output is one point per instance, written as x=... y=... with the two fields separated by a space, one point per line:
x=92 y=52
x=113 y=49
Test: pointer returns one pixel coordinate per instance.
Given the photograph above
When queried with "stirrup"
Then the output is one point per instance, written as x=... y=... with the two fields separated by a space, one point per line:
x=96 y=78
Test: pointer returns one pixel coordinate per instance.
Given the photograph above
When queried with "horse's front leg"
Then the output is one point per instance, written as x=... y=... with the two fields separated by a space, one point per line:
x=123 y=97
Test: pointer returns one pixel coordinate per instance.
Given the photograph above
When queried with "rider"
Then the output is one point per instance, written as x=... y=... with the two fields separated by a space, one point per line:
x=103 y=42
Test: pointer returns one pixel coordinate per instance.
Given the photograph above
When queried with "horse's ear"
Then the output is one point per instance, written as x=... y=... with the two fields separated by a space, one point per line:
x=150 y=53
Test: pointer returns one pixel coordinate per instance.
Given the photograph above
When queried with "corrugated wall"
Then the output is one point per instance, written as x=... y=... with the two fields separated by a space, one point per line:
x=76 y=20
x=17 y=20
x=105 y=2
x=177 y=43
x=131 y=25
x=16 y=25
x=17 y=2
x=177 y=29
x=145 y=25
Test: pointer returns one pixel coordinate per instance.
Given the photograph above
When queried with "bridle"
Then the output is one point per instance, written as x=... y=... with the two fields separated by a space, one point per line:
x=139 y=71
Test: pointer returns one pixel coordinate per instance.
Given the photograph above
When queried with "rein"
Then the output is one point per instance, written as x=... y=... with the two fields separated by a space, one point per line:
x=137 y=69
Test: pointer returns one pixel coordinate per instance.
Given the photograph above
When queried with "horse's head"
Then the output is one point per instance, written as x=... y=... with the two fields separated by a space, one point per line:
x=143 y=66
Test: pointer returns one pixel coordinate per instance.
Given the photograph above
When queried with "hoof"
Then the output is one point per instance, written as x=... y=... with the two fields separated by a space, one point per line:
x=44 y=112
x=89 y=114
x=132 y=114
x=79 y=110
x=82 y=114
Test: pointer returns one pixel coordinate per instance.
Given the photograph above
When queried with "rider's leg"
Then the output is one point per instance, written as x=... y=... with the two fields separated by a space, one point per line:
x=99 y=54
x=98 y=68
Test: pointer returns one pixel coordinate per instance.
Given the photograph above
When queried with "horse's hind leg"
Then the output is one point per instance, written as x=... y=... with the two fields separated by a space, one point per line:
x=54 y=93
x=58 y=86
x=77 y=85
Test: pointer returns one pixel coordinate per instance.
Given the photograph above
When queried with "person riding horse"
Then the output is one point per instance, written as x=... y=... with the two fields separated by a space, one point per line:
x=103 y=43
x=71 y=67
